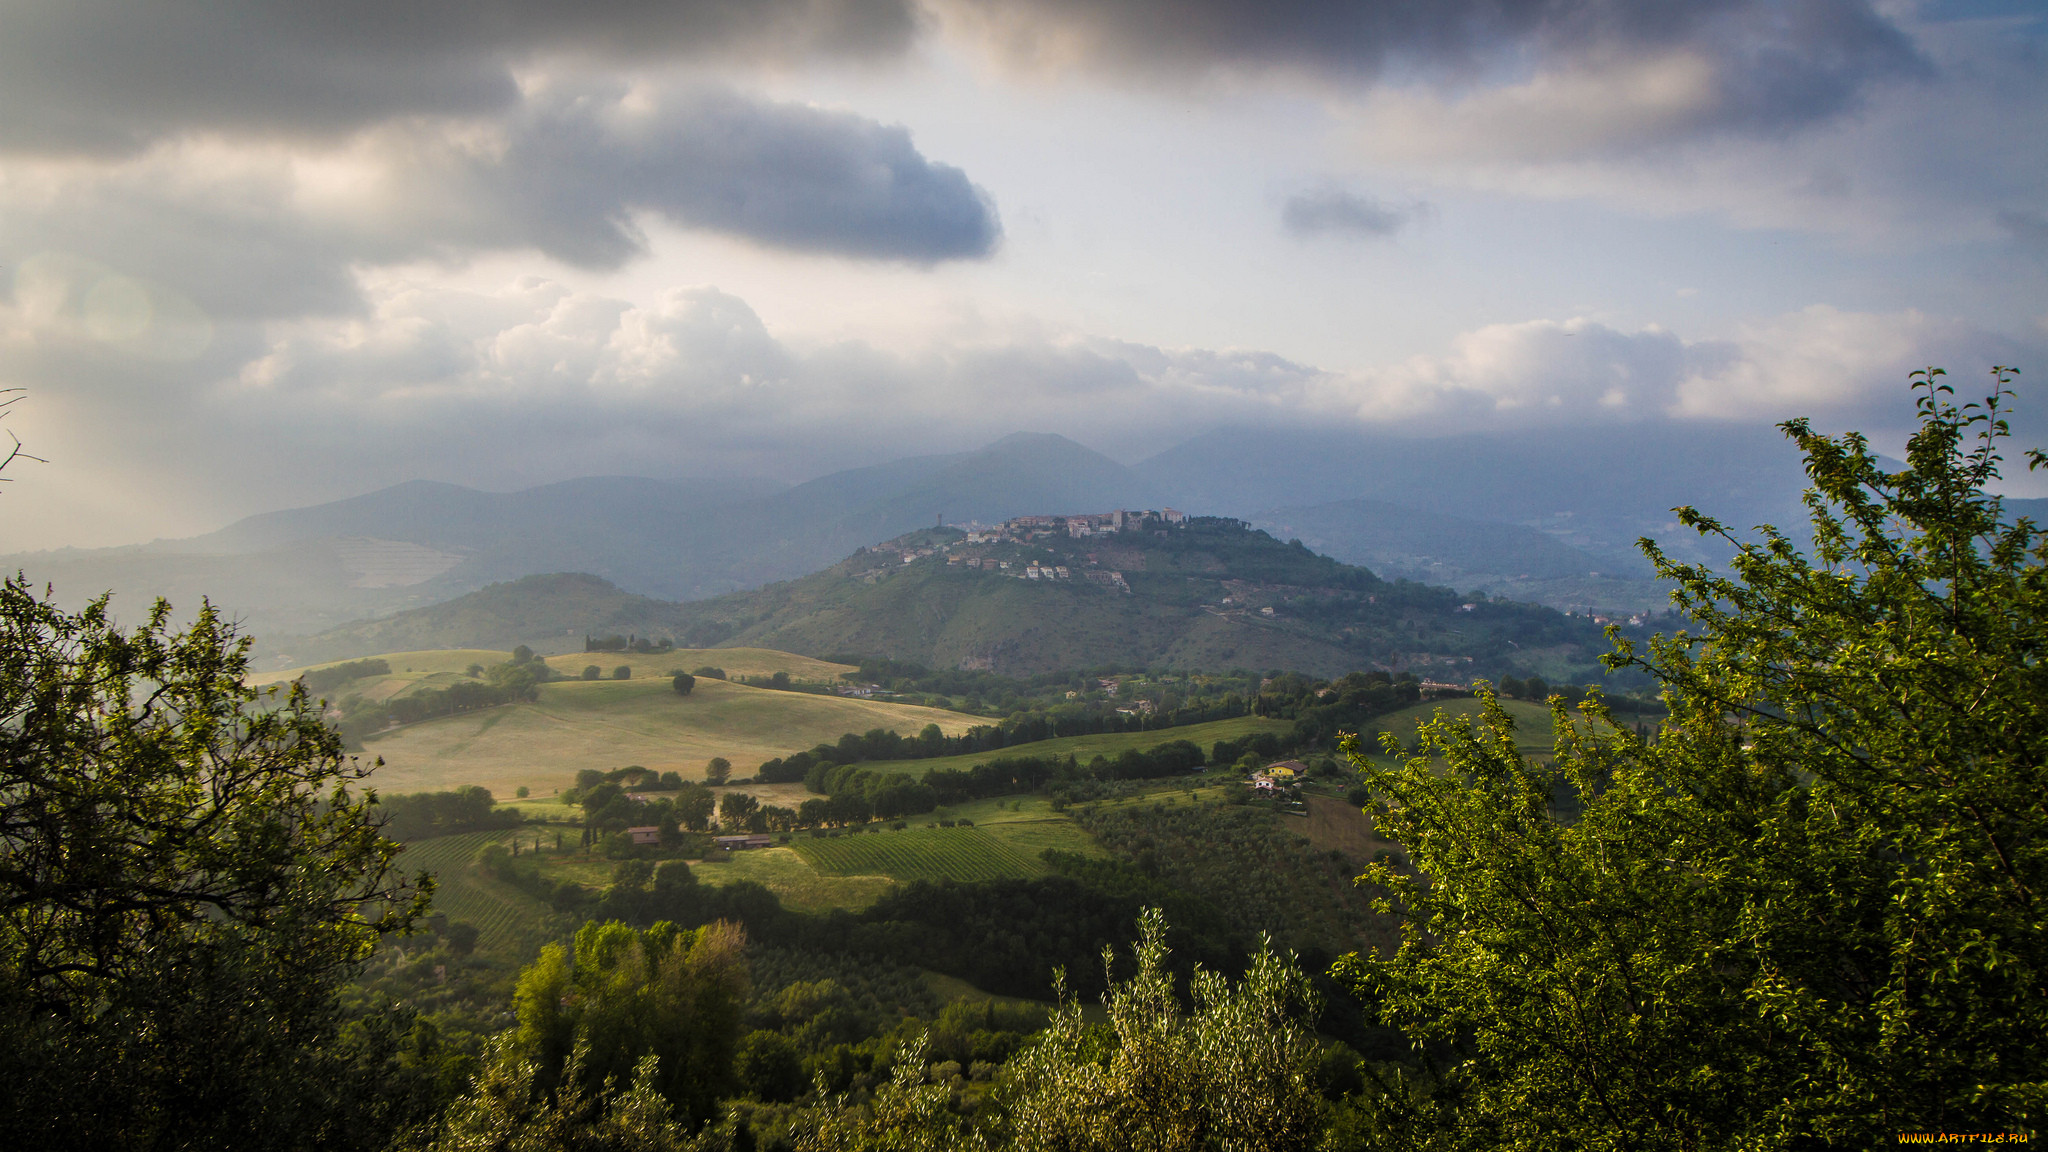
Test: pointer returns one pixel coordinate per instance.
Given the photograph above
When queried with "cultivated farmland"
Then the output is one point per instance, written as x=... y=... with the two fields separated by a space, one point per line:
x=919 y=854
x=607 y=724
x=1085 y=748
x=505 y=917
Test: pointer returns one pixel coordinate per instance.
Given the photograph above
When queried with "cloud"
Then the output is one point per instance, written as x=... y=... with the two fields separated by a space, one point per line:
x=105 y=76
x=1934 y=157
x=1595 y=73
x=1335 y=211
x=1840 y=367
x=536 y=382
x=263 y=230
x=572 y=167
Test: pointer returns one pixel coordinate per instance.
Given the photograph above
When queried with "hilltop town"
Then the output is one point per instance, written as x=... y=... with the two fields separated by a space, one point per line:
x=1032 y=547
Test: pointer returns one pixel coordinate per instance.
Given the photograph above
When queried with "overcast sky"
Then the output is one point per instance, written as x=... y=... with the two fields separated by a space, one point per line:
x=255 y=255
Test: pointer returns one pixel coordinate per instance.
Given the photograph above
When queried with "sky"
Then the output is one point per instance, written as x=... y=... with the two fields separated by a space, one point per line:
x=256 y=256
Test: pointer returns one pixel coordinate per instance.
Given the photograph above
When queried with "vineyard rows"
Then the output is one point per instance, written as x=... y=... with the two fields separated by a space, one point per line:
x=502 y=914
x=919 y=854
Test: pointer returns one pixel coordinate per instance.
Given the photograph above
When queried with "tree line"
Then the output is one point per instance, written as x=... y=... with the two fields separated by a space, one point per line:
x=1025 y=728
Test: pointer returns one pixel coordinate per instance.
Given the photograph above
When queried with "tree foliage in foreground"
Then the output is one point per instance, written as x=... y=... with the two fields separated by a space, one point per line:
x=675 y=994
x=183 y=868
x=1810 y=912
x=1236 y=1074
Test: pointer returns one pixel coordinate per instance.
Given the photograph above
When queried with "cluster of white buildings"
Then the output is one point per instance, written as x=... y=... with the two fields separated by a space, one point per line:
x=1026 y=570
x=1023 y=528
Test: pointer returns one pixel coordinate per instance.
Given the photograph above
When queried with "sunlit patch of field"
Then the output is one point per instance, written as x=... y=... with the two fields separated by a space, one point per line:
x=735 y=662
x=791 y=877
x=1027 y=824
x=404 y=665
x=919 y=854
x=1085 y=748
x=608 y=724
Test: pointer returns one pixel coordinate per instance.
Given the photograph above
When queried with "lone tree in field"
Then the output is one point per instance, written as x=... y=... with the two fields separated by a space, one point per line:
x=1810 y=913
x=718 y=770
x=684 y=683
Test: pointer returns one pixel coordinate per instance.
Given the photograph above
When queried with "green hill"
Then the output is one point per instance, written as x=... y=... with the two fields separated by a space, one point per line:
x=549 y=613
x=1211 y=594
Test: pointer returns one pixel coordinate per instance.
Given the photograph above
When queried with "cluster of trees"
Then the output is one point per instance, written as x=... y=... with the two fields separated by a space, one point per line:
x=887 y=795
x=617 y=643
x=1028 y=728
x=636 y=1039
x=323 y=680
x=622 y=672
x=628 y=1043
x=515 y=680
x=1005 y=936
x=1321 y=710
x=419 y=815
x=978 y=691
x=609 y=807
x=1259 y=878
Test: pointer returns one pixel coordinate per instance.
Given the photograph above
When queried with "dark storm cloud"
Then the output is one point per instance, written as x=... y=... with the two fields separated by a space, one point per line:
x=112 y=75
x=566 y=172
x=784 y=175
x=1775 y=62
x=1333 y=211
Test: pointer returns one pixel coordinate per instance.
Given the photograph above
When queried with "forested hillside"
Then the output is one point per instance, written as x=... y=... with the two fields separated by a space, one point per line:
x=1207 y=594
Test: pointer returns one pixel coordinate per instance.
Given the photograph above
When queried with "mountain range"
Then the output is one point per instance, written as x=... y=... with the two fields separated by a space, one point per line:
x=1530 y=516
x=1206 y=594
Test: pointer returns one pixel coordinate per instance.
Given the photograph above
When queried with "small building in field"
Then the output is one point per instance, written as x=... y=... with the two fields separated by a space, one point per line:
x=739 y=843
x=1287 y=771
x=650 y=834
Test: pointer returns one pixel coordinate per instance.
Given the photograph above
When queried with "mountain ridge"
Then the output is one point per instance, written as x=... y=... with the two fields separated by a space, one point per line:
x=1203 y=594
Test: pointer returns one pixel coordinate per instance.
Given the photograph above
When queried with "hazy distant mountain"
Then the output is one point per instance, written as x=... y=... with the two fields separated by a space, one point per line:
x=1412 y=506
x=305 y=570
x=1595 y=488
x=550 y=613
x=1438 y=548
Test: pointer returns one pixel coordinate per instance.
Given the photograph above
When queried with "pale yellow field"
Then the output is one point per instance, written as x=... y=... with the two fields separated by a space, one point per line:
x=406 y=665
x=736 y=662
x=607 y=724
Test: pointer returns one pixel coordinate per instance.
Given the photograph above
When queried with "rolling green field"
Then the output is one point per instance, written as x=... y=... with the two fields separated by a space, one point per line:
x=919 y=854
x=1026 y=824
x=1085 y=748
x=607 y=724
x=794 y=881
